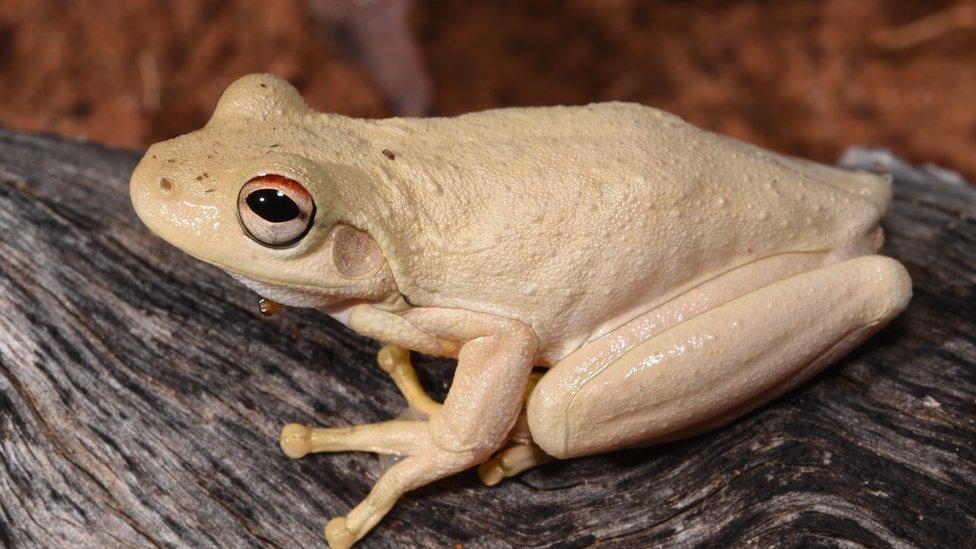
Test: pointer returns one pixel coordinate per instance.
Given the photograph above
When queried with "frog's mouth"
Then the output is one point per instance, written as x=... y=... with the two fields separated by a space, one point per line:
x=292 y=295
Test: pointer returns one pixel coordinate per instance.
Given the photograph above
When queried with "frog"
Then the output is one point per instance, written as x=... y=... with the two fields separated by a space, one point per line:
x=606 y=276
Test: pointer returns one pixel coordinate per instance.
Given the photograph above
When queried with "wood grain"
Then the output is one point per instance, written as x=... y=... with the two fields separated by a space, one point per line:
x=141 y=395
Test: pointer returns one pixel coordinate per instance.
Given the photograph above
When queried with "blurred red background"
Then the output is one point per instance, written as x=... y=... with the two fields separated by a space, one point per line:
x=805 y=77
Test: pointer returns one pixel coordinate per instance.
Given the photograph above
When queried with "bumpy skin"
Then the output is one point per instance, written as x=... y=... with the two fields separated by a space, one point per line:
x=603 y=241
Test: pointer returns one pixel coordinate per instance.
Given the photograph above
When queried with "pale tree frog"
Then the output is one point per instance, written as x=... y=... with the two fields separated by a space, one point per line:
x=668 y=279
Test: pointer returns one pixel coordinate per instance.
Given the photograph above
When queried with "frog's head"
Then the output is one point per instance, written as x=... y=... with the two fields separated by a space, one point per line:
x=241 y=195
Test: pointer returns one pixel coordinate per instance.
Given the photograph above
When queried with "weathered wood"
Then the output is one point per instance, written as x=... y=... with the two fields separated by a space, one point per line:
x=141 y=395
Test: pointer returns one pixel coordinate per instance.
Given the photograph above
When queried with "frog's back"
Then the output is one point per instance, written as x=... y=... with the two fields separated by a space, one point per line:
x=574 y=219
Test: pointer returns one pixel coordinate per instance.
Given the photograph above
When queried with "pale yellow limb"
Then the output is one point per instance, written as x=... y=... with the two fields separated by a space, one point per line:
x=397 y=437
x=510 y=462
x=409 y=474
x=394 y=328
x=396 y=362
x=481 y=408
x=717 y=365
x=522 y=455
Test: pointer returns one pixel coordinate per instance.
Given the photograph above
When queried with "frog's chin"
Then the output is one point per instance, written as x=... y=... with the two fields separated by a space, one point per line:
x=290 y=295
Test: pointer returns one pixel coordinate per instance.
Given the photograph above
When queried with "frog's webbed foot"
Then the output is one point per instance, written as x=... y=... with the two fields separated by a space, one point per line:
x=422 y=462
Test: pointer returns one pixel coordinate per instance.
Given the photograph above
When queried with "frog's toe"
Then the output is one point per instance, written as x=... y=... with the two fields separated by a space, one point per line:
x=510 y=462
x=338 y=535
x=398 y=436
x=295 y=440
x=396 y=362
x=391 y=357
x=491 y=472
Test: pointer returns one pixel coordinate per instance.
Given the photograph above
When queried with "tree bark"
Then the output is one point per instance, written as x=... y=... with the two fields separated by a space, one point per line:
x=141 y=395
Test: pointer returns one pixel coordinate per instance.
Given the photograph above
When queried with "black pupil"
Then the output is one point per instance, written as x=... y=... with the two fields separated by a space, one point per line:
x=272 y=205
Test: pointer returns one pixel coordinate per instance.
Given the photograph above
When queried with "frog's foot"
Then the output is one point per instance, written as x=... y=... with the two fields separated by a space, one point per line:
x=422 y=462
x=512 y=461
x=396 y=362
x=398 y=437
x=408 y=474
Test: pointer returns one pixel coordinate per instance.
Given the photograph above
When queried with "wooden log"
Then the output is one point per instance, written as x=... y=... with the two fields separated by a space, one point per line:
x=141 y=395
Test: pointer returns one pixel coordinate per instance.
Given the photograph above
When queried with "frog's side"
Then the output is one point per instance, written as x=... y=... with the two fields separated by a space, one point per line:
x=671 y=278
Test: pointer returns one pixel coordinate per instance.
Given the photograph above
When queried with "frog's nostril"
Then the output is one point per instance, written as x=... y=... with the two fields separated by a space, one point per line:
x=166 y=184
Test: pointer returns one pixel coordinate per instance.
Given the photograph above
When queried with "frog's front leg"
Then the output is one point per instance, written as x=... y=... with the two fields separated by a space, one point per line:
x=495 y=357
x=397 y=437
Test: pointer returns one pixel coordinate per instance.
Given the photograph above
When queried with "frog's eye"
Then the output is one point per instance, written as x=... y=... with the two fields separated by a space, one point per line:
x=275 y=211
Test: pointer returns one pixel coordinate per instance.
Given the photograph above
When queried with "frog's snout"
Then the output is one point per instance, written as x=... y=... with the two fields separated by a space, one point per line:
x=180 y=202
x=150 y=187
x=139 y=190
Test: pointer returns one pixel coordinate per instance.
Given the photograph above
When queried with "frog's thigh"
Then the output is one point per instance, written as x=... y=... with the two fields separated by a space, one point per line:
x=720 y=364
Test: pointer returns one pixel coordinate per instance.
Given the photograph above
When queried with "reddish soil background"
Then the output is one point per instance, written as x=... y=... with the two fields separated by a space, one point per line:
x=805 y=77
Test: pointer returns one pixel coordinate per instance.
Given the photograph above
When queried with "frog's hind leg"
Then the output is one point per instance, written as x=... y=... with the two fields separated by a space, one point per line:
x=875 y=188
x=717 y=365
